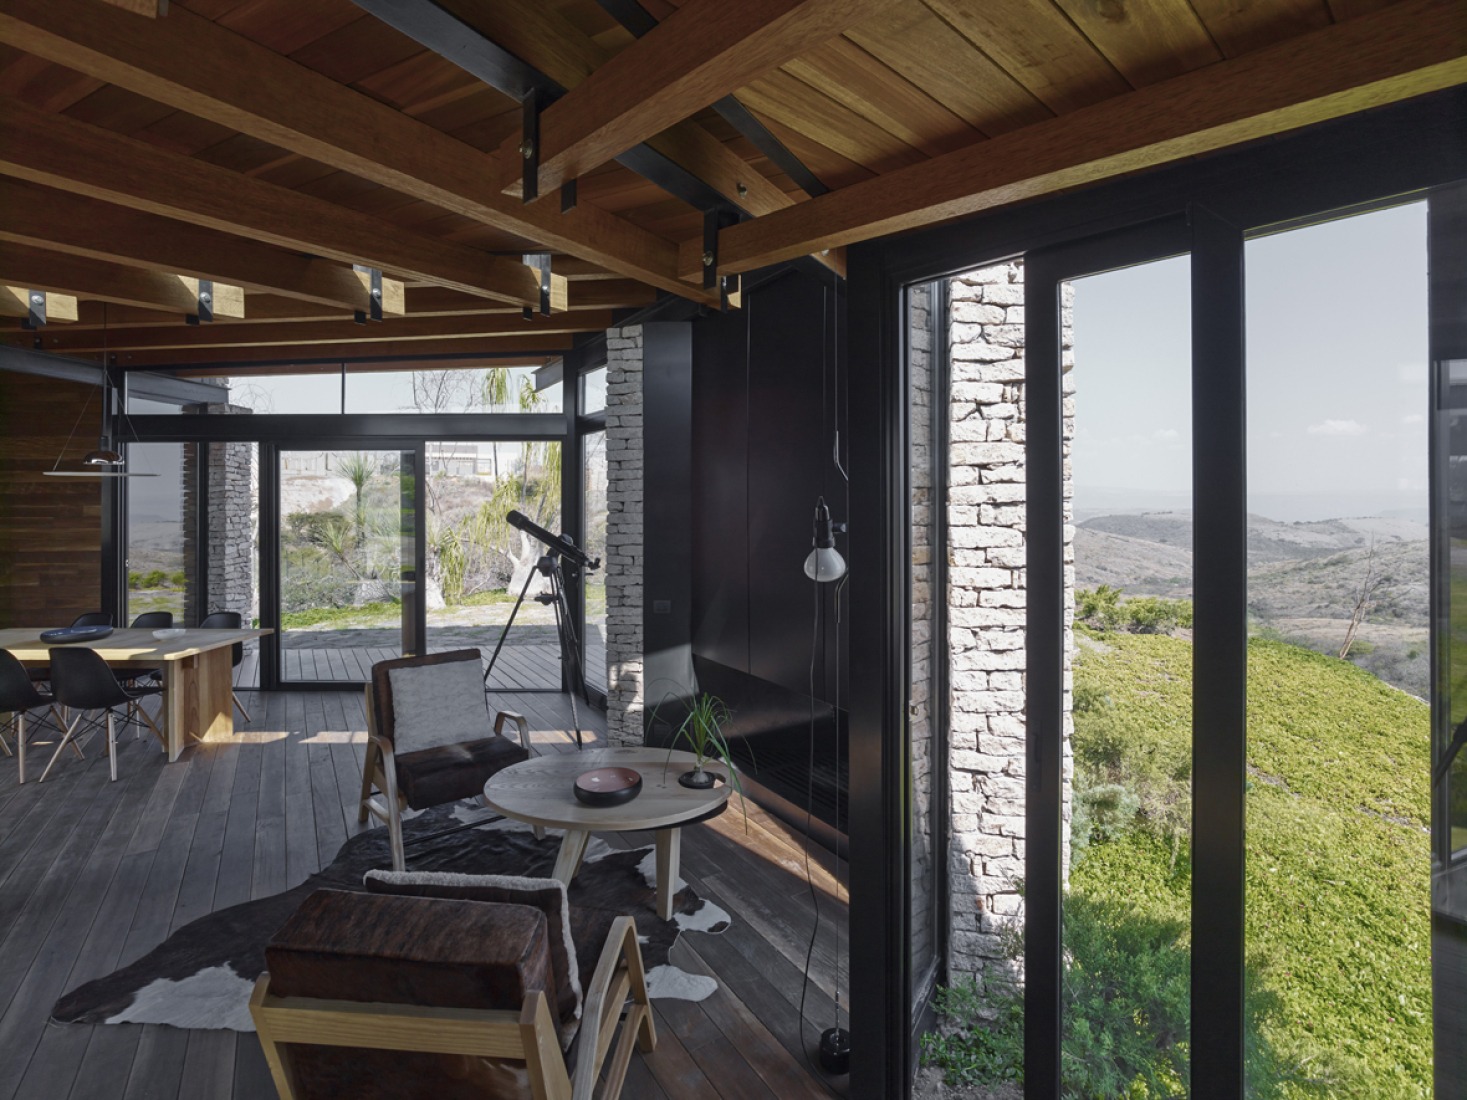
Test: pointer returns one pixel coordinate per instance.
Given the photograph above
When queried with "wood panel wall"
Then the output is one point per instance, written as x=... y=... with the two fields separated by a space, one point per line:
x=50 y=527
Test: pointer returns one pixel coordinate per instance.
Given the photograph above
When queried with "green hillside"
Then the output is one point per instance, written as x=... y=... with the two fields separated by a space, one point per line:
x=1338 y=917
x=1338 y=855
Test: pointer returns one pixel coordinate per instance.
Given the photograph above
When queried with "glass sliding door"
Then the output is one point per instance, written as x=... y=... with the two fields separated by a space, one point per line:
x=162 y=548
x=1339 y=733
x=593 y=524
x=477 y=564
x=347 y=565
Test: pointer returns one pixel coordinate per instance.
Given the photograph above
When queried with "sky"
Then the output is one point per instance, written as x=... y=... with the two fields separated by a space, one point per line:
x=1337 y=375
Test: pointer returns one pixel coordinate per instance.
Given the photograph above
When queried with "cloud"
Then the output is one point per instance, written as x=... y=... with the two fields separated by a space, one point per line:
x=1338 y=428
x=1166 y=435
x=1414 y=418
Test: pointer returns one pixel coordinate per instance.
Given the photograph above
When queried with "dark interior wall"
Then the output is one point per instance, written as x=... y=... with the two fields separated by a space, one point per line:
x=766 y=400
x=50 y=527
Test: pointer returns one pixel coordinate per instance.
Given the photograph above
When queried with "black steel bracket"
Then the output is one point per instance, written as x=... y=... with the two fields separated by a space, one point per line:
x=204 y=309
x=540 y=261
x=728 y=286
x=530 y=144
x=35 y=304
x=713 y=221
x=373 y=312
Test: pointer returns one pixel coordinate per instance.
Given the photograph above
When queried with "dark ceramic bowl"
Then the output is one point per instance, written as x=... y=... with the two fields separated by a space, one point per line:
x=63 y=635
x=608 y=786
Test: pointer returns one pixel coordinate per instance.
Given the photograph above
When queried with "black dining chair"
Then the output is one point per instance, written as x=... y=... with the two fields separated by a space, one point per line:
x=229 y=620
x=135 y=678
x=18 y=697
x=82 y=682
x=40 y=673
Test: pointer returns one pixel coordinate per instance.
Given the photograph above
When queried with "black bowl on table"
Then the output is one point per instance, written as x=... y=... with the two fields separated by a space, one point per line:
x=607 y=786
x=66 y=634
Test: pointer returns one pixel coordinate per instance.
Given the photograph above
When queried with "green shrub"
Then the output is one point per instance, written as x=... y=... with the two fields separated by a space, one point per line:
x=1101 y=813
x=1099 y=607
x=1154 y=615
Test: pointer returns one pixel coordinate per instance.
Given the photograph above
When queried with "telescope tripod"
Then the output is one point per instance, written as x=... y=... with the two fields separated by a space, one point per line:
x=571 y=670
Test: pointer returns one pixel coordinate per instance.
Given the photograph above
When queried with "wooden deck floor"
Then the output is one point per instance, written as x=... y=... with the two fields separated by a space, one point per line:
x=531 y=666
x=95 y=874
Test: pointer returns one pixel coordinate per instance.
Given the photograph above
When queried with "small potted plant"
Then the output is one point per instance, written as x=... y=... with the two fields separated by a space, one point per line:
x=701 y=729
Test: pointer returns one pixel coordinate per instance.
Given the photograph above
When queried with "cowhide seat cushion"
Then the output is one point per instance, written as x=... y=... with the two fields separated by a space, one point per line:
x=446 y=773
x=437 y=952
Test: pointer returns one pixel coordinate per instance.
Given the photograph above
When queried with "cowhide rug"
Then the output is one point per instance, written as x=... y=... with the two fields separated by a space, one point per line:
x=203 y=974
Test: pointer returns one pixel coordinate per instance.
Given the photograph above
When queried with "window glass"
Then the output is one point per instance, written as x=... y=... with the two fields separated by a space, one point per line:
x=449 y=390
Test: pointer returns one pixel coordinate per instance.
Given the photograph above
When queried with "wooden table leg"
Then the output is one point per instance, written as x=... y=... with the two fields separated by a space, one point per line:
x=572 y=848
x=669 y=855
x=179 y=704
x=215 y=670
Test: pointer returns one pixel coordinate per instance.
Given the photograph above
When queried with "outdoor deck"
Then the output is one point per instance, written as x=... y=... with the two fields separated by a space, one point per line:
x=95 y=874
x=522 y=666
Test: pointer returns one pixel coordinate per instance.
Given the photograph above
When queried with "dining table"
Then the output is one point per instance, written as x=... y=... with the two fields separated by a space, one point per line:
x=197 y=665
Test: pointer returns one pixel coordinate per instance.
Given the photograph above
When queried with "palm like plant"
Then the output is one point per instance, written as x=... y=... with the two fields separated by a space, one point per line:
x=702 y=731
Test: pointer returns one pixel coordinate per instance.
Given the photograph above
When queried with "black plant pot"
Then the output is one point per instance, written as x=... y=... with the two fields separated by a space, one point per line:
x=700 y=779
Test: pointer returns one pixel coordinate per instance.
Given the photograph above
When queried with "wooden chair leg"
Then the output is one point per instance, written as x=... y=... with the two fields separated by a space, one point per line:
x=394 y=835
x=65 y=740
x=240 y=706
x=369 y=769
x=112 y=744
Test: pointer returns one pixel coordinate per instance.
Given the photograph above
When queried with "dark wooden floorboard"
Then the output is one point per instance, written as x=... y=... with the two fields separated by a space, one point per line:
x=94 y=874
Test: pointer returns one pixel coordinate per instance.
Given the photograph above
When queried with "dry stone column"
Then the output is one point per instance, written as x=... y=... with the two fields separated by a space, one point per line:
x=986 y=598
x=625 y=704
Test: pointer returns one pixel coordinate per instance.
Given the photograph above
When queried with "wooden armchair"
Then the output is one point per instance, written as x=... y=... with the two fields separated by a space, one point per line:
x=429 y=739
x=443 y=997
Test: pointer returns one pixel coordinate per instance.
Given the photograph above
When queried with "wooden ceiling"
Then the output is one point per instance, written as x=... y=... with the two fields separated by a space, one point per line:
x=279 y=146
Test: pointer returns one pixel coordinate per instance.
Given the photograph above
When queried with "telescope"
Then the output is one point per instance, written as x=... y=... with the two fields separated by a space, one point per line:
x=558 y=544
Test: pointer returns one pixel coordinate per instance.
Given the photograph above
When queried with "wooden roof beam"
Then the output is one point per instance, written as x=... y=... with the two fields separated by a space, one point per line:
x=1408 y=49
x=422 y=302
x=203 y=68
x=302 y=334
x=492 y=348
x=80 y=226
x=77 y=157
x=23 y=265
x=701 y=52
x=15 y=301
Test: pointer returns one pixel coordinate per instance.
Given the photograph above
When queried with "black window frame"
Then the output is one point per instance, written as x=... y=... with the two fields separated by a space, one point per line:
x=1388 y=153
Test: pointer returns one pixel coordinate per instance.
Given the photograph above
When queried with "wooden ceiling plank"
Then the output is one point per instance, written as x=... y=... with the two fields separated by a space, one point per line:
x=852 y=77
x=1146 y=40
x=81 y=226
x=702 y=52
x=24 y=265
x=488 y=346
x=150 y=8
x=1241 y=28
x=912 y=41
x=826 y=122
x=1411 y=48
x=305 y=333
x=1040 y=48
x=87 y=160
x=194 y=65
x=15 y=301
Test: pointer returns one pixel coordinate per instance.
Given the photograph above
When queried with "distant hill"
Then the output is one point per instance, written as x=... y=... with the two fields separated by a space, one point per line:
x=1303 y=579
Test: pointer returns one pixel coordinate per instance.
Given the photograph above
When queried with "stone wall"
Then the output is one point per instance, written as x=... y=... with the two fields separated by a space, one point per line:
x=920 y=718
x=624 y=590
x=986 y=595
x=230 y=525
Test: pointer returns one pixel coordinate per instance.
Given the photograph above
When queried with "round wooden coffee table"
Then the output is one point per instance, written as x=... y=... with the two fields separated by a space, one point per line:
x=539 y=792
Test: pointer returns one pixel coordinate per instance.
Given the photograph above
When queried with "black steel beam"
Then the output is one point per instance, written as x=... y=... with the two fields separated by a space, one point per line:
x=1219 y=654
x=299 y=430
x=638 y=21
x=445 y=34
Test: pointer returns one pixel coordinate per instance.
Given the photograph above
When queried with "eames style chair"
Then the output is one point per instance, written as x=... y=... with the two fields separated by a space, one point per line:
x=229 y=620
x=18 y=697
x=93 y=618
x=450 y=992
x=139 y=677
x=82 y=682
x=429 y=739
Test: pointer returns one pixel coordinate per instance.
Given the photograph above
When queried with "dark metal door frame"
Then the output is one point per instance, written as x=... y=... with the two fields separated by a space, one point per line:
x=1395 y=151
